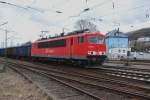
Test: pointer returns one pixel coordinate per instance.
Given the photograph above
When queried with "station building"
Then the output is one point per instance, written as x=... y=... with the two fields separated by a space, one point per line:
x=117 y=45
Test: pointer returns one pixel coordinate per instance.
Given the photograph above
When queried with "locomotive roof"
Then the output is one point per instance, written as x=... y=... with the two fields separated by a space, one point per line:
x=73 y=35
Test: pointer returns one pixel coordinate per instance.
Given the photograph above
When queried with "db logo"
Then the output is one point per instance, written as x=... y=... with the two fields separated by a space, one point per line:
x=49 y=51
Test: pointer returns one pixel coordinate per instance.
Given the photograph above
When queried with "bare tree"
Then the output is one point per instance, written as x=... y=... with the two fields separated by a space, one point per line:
x=85 y=24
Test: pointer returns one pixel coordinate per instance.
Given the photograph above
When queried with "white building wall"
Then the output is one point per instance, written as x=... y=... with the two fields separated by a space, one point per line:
x=118 y=53
x=140 y=56
x=144 y=39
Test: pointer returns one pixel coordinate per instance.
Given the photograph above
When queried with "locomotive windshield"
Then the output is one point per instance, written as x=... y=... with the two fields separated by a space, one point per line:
x=95 y=40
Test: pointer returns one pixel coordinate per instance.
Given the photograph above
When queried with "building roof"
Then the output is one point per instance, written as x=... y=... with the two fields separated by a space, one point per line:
x=116 y=33
x=134 y=35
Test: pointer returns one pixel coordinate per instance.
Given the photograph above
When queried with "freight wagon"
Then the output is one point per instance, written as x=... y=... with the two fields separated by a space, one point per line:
x=17 y=52
x=2 y=51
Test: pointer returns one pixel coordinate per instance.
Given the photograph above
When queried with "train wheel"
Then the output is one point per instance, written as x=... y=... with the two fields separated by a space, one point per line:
x=82 y=63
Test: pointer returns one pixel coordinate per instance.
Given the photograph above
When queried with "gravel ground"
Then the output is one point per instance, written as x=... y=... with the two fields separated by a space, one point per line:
x=15 y=87
x=56 y=90
x=61 y=92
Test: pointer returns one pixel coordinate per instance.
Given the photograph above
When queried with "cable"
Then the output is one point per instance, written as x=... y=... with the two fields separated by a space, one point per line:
x=123 y=11
x=12 y=4
x=26 y=8
x=98 y=5
x=101 y=4
x=110 y=14
x=90 y=8
x=128 y=10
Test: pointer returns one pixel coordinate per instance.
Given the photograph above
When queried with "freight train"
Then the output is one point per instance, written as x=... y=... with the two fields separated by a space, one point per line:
x=78 y=47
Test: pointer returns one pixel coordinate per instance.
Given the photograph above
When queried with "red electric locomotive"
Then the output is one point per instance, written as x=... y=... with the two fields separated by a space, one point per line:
x=84 y=48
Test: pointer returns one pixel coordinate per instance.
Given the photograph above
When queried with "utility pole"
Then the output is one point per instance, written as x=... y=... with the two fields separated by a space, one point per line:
x=147 y=14
x=5 y=65
x=3 y=69
x=12 y=43
x=63 y=30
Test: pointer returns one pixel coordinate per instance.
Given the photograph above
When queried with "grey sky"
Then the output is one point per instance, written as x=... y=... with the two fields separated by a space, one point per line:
x=27 y=23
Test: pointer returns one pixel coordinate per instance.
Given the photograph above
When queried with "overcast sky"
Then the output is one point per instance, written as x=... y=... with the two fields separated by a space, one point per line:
x=26 y=24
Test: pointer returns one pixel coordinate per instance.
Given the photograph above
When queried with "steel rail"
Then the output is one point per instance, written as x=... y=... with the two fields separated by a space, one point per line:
x=125 y=91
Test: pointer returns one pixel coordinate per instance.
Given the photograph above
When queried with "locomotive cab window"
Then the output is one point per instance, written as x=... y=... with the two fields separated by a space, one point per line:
x=95 y=40
x=81 y=39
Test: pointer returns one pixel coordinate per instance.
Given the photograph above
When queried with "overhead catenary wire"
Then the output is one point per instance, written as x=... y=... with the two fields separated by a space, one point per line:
x=22 y=7
x=91 y=8
x=58 y=4
x=95 y=6
x=111 y=14
x=18 y=6
x=124 y=12
x=3 y=23
x=127 y=10
x=85 y=10
x=7 y=3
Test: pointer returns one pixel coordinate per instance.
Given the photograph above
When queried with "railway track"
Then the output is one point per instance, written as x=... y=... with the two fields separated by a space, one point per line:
x=63 y=81
x=140 y=75
x=88 y=82
x=130 y=73
x=130 y=62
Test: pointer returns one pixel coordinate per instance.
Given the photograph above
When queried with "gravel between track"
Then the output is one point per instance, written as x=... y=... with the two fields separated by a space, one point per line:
x=15 y=87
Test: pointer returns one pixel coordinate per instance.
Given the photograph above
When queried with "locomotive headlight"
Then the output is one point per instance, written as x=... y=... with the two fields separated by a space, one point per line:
x=94 y=53
x=89 y=52
x=100 y=53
